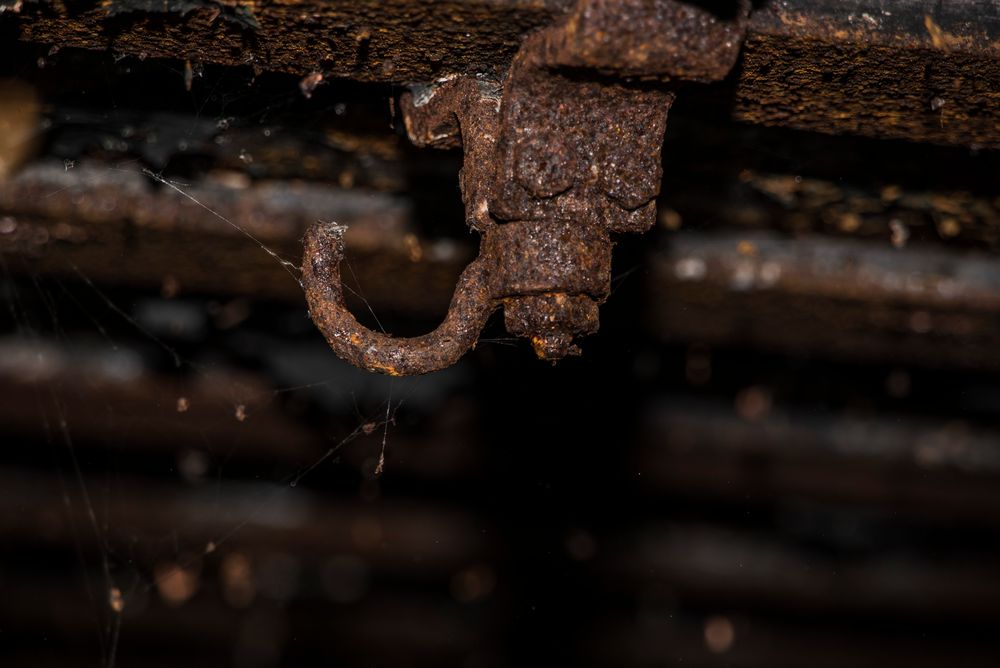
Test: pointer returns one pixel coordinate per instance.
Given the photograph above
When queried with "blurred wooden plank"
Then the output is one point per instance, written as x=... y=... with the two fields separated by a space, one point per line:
x=662 y=636
x=53 y=623
x=942 y=472
x=221 y=416
x=925 y=305
x=705 y=566
x=216 y=235
x=417 y=539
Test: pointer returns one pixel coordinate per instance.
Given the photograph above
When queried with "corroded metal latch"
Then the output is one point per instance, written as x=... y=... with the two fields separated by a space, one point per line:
x=559 y=155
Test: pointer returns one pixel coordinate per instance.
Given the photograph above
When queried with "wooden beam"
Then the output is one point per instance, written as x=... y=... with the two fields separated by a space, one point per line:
x=918 y=70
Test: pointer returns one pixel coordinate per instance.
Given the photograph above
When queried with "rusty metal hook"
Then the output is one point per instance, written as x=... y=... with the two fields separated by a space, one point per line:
x=554 y=163
x=471 y=305
x=477 y=294
x=550 y=277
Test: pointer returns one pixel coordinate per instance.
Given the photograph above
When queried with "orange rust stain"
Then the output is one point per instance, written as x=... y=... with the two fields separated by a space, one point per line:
x=944 y=40
x=538 y=343
x=935 y=31
x=384 y=368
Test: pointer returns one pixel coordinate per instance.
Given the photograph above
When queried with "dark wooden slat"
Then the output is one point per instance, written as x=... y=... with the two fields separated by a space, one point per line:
x=940 y=471
x=843 y=298
x=69 y=221
x=918 y=70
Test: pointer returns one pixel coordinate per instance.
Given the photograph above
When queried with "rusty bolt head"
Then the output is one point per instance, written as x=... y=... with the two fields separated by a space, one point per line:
x=552 y=321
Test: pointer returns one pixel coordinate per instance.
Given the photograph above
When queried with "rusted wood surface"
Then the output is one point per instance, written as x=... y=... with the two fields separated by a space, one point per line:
x=372 y=40
x=924 y=71
x=917 y=70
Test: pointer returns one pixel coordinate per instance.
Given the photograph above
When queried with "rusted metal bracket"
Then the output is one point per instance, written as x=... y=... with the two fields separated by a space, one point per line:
x=562 y=153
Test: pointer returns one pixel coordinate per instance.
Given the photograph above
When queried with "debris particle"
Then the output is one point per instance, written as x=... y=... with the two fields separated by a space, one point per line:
x=948 y=227
x=719 y=634
x=236 y=574
x=182 y=404
x=900 y=233
x=115 y=600
x=937 y=35
x=746 y=248
x=891 y=193
x=937 y=103
x=231 y=179
x=669 y=219
x=241 y=412
x=769 y=274
x=753 y=403
x=413 y=247
x=170 y=287
x=849 y=222
x=176 y=583
x=690 y=269
x=309 y=82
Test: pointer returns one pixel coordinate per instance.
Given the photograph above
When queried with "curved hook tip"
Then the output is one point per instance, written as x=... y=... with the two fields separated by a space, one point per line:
x=472 y=303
